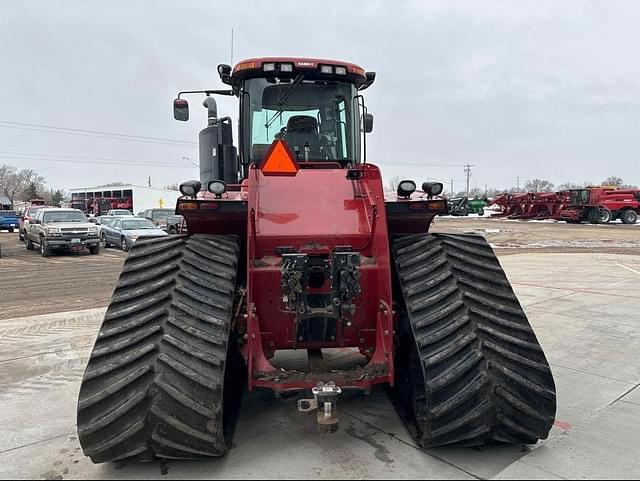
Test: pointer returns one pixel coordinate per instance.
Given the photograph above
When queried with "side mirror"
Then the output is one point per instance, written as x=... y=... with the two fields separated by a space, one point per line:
x=181 y=110
x=225 y=73
x=368 y=123
x=35 y=221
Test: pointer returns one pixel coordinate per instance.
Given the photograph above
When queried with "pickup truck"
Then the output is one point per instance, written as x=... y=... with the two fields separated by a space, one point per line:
x=159 y=217
x=26 y=217
x=8 y=220
x=62 y=229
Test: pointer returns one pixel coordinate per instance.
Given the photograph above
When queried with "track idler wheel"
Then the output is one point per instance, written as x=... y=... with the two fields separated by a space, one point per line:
x=165 y=378
x=469 y=369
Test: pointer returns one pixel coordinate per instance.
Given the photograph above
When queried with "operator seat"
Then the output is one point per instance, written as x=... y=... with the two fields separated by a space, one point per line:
x=303 y=130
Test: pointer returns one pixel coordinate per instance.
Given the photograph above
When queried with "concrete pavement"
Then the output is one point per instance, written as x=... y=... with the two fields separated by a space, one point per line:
x=585 y=309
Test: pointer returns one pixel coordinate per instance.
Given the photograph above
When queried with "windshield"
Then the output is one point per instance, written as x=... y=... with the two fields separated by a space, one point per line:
x=138 y=224
x=68 y=216
x=121 y=212
x=579 y=197
x=316 y=119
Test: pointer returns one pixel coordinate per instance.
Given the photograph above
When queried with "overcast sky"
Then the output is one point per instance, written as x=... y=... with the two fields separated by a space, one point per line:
x=518 y=88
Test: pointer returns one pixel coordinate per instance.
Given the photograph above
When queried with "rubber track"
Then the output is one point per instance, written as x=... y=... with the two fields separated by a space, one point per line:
x=470 y=370
x=157 y=384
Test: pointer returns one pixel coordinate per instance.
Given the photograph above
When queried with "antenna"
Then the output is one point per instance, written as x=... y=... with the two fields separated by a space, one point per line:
x=231 y=46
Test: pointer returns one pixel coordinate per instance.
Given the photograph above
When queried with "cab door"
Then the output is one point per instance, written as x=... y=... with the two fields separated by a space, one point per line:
x=33 y=228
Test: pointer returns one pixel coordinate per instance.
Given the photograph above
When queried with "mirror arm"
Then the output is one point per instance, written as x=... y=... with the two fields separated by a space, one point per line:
x=207 y=92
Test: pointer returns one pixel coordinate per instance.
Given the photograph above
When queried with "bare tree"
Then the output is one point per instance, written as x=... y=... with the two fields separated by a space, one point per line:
x=573 y=185
x=54 y=197
x=32 y=184
x=613 y=181
x=393 y=184
x=539 y=185
x=16 y=184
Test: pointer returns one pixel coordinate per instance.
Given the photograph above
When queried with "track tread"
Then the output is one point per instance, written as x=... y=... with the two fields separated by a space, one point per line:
x=470 y=370
x=160 y=371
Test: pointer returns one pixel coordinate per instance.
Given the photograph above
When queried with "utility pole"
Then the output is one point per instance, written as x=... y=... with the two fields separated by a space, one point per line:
x=452 y=192
x=149 y=181
x=467 y=171
x=518 y=188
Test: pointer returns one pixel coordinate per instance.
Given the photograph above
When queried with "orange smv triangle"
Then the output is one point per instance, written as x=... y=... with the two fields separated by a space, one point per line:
x=279 y=160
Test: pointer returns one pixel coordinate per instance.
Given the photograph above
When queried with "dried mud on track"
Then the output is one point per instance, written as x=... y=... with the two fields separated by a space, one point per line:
x=31 y=284
x=516 y=237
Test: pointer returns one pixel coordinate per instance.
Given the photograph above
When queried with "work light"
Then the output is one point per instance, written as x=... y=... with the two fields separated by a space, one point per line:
x=190 y=188
x=406 y=188
x=217 y=187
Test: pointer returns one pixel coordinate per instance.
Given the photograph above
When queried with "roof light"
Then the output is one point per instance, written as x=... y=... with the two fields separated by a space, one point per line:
x=245 y=66
x=279 y=160
x=341 y=70
x=269 y=67
x=286 y=67
x=326 y=69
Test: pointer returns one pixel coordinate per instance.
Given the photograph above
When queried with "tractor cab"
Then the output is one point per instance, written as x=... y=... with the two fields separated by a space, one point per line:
x=313 y=105
x=578 y=197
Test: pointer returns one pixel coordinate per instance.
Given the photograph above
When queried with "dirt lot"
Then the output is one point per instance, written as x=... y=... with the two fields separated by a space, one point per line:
x=33 y=285
x=74 y=282
x=515 y=236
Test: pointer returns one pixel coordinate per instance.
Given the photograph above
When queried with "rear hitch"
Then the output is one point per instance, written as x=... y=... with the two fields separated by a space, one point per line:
x=325 y=398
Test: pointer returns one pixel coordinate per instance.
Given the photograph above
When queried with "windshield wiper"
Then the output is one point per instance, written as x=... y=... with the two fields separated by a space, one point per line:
x=298 y=81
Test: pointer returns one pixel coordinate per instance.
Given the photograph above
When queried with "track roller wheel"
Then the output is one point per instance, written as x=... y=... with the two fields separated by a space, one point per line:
x=165 y=378
x=469 y=369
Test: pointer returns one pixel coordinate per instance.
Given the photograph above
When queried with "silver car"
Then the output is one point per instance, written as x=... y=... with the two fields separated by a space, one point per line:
x=125 y=231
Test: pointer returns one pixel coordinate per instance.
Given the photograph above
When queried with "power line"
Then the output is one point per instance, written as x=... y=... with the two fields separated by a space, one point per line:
x=37 y=155
x=91 y=133
x=112 y=162
x=420 y=164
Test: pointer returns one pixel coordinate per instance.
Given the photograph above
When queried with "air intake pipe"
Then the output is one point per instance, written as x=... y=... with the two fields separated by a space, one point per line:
x=218 y=156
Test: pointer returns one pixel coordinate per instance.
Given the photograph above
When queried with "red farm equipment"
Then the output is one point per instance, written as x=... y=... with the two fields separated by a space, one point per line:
x=532 y=205
x=293 y=246
x=601 y=205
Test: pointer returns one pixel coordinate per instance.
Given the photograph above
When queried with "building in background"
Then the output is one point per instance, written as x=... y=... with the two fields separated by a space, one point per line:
x=136 y=198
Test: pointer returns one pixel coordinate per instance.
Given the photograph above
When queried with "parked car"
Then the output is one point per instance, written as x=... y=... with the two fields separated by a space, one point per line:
x=61 y=229
x=25 y=218
x=124 y=232
x=119 y=213
x=160 y=216
x=8 y=220
x=103 y=220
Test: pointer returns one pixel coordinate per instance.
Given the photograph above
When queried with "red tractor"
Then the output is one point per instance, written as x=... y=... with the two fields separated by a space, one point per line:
x=601 y=205
x=292 y=246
